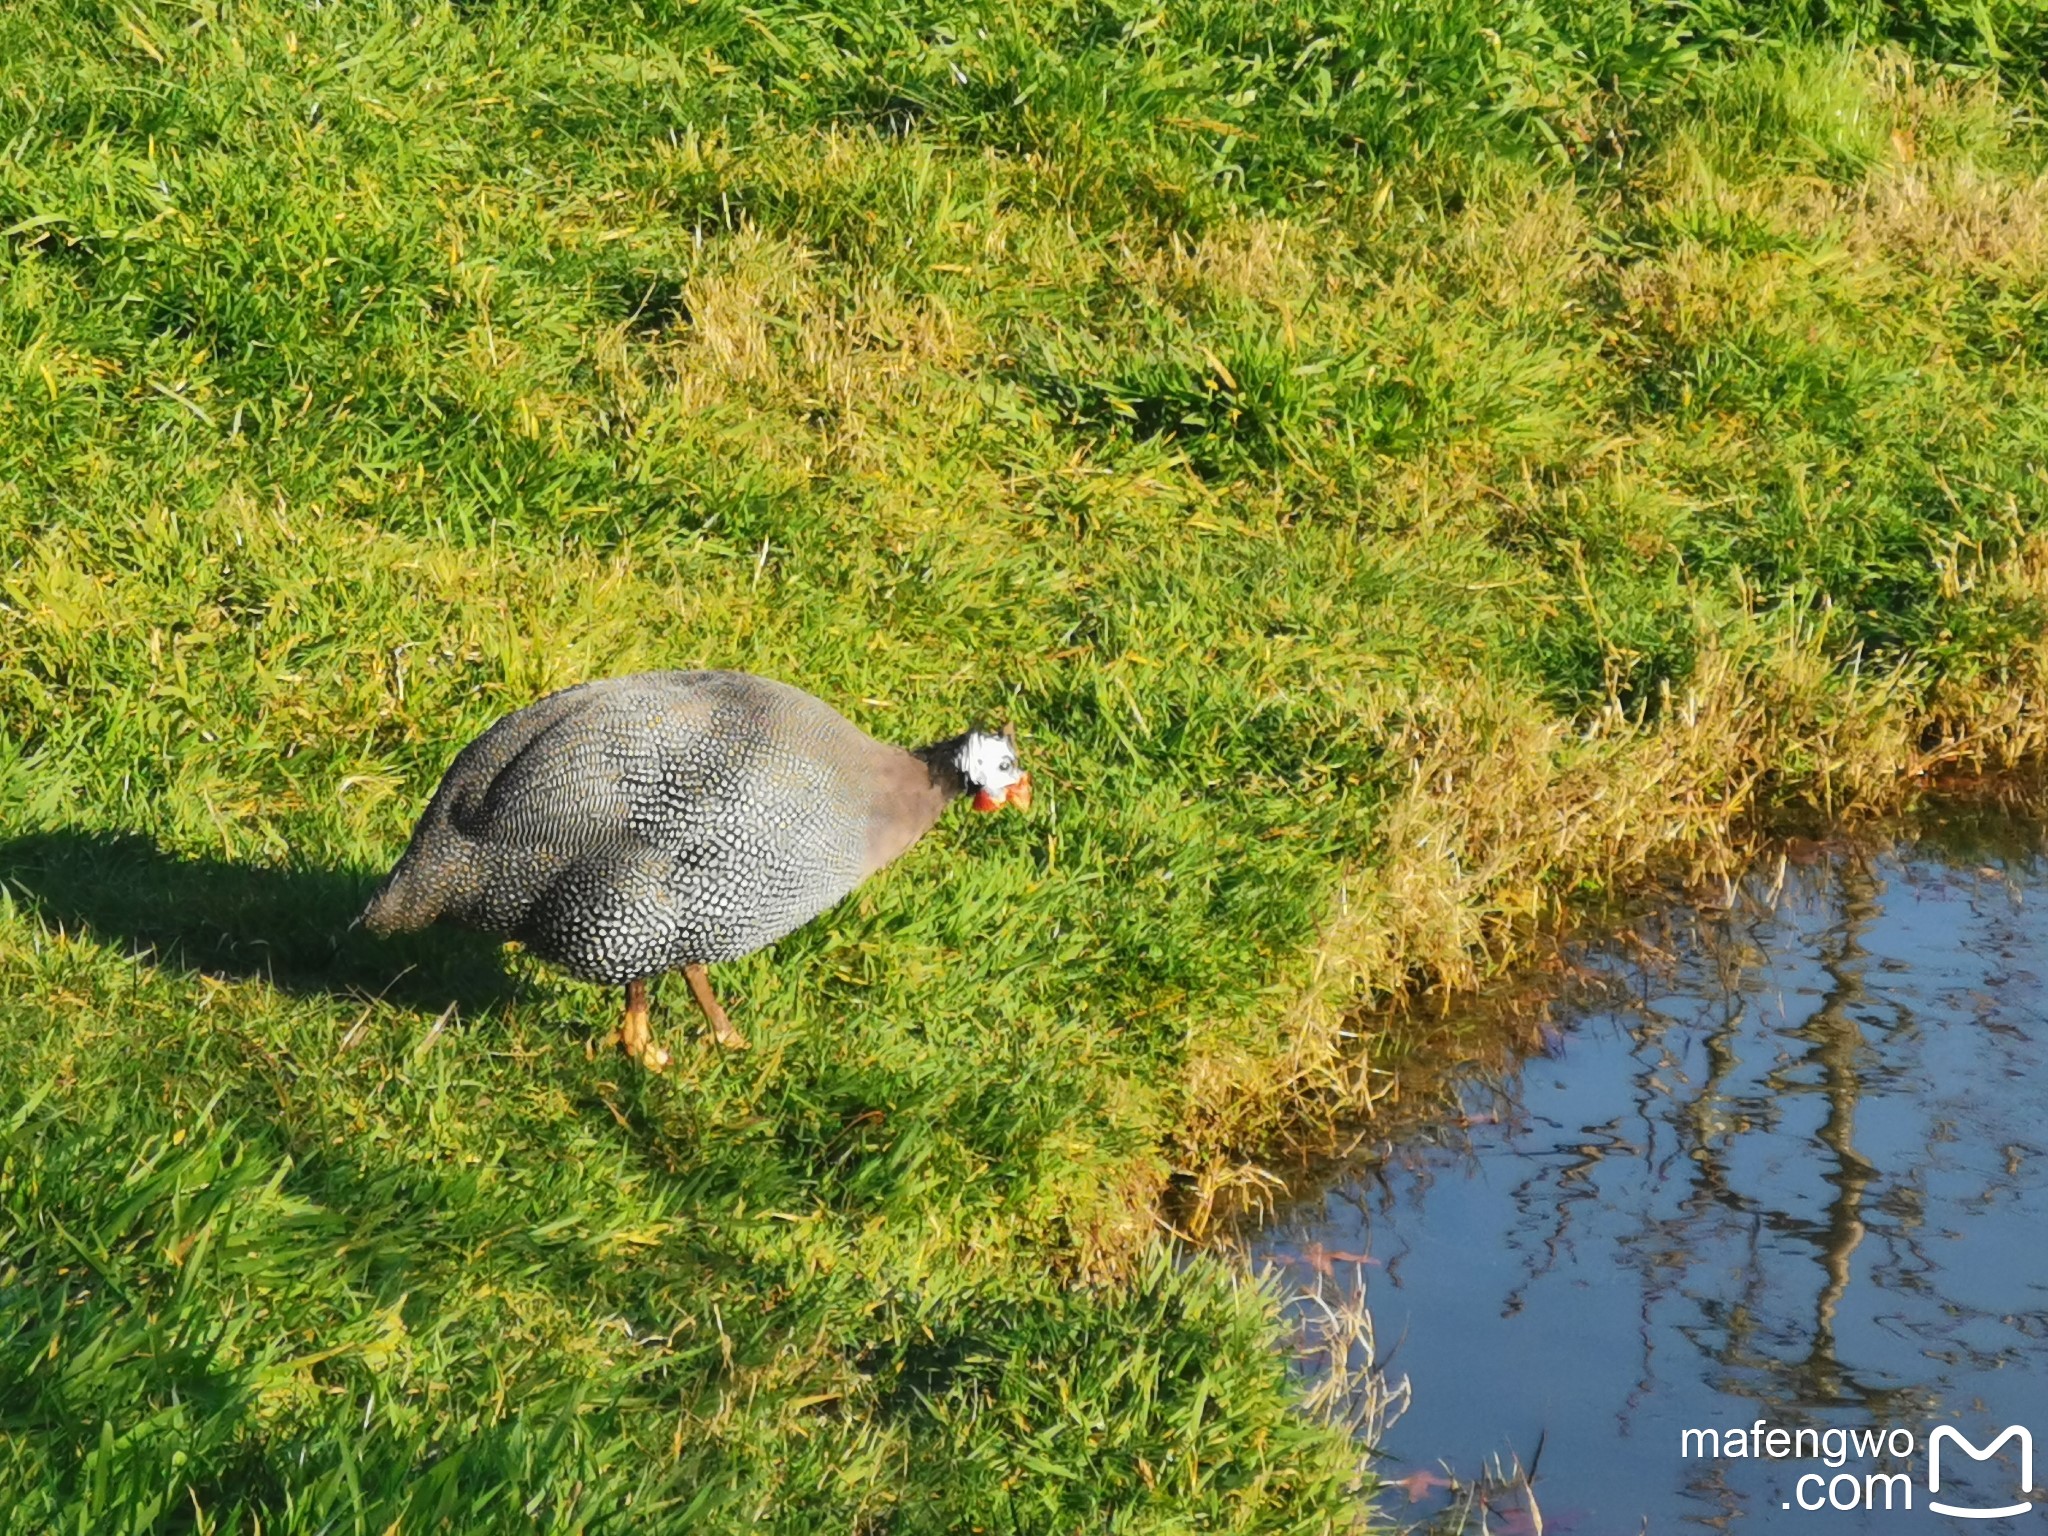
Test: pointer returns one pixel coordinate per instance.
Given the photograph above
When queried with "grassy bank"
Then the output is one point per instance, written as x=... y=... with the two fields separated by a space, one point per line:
x=1396 y=468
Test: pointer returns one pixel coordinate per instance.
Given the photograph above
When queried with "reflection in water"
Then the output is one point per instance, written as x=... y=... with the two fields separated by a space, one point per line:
x=1793 y=1166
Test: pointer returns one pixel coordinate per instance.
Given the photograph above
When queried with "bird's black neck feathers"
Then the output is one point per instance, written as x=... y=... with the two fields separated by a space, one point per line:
x=942 y=760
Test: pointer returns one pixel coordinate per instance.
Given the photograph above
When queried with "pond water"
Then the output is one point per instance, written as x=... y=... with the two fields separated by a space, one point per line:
x=1790 y=1168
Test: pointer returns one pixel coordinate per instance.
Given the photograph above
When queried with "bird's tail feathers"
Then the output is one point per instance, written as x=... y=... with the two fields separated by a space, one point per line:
x=400 y=905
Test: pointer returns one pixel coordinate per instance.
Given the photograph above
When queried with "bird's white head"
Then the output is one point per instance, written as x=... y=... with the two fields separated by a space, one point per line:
x=989 y=765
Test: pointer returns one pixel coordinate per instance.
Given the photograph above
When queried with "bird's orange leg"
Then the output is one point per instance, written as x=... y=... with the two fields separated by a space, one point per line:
x=721 y=1027
x=636 y=1037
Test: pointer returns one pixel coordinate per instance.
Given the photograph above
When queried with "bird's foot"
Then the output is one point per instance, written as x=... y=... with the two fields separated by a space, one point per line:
x=638 y=1046
x=636 y=1034
x=721 y=1027
x=723 y=1032
x=636 y=1039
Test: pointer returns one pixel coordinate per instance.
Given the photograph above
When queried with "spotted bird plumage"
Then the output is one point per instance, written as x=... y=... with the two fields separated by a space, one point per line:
x=668 y=820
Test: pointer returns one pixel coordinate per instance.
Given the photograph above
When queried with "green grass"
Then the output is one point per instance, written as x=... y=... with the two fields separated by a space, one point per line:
x=1397 y=466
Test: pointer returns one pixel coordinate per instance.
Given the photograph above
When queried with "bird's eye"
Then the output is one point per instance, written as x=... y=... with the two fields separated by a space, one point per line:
x=1009 y=765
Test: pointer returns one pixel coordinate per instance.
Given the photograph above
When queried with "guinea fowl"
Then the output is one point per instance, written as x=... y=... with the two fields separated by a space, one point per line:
x=667 y=820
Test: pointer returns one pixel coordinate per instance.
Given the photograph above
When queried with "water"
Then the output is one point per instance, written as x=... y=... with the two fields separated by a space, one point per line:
x=1791 y=1167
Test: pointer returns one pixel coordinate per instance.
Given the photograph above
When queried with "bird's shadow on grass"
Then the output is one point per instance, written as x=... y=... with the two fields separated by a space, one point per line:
x=290 y=927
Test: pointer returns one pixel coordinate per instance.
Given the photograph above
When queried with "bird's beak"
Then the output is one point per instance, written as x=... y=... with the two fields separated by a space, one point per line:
x=1018 y=794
